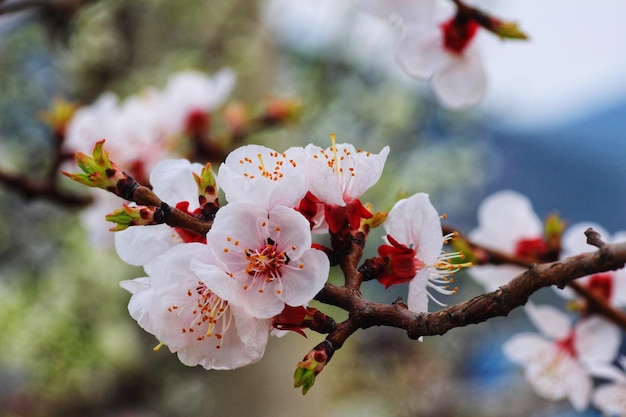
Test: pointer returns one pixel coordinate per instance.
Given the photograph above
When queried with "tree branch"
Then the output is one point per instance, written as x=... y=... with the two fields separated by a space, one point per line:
x=365 y=313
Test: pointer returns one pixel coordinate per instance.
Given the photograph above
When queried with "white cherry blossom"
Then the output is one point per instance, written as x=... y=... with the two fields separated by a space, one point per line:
x=414 y=249
x=264 y=259
x=338 y=176
x=432 y=46
x=258 y=175
x=506 y=223
x=560 y=361
x=173 y=182
x=182 y=312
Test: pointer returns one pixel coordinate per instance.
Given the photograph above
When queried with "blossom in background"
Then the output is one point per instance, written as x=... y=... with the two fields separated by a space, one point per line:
x=610 y=285
x=413 y=252
x=189 y=98
x=261 y=176
x=560 y=361
x=337 y=177
x=183 y=313
x=506 y=223
x=141 y=131
x=173 y=181
x=433 y=45
x=611 y=398
x=264 y=259
x=145 y=128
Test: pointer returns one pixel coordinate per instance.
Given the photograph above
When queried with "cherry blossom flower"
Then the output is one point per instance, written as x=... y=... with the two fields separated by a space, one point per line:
x=141 y=131
x=610 y=285
x=144 y=129
x=433 y=45
x=338 y=176
x=264 y=259
x=506 y=223
x=190 y=96
x=173 y=181
x=560 y=361
x=611 y=398
x=261 y=176
x=182 y=312
x=414 y=251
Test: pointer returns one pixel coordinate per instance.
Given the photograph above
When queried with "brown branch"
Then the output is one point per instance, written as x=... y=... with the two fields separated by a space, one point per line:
x=364 y=313
x=170 y=215
x=485 y=255
x=30 y=188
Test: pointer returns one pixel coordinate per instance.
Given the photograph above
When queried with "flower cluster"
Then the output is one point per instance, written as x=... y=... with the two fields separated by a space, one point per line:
x=436 y=42
x=144 y=129
x=564 y=359
x=214 y=299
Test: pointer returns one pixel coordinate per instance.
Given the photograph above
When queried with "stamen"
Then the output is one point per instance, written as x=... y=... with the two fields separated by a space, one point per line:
x=157 y=347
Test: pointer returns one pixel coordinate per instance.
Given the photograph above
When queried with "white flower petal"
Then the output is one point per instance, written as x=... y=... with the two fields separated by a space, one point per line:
x=492 y=277
x=503 y=219
x=138 y=245
x=549 y=320
x=419 y=51
x=597 y=340
x=414 y=222
x=461 y=82
x=611 y=399
x=300 y=285
x=417 y=299
x=172 y=180
x=261 y=176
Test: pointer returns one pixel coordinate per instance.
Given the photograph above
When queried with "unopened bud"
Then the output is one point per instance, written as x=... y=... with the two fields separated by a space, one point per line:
x=282 y=109
x=131 y=216
x=207 y=186
x=312 y=364
x=100 y=172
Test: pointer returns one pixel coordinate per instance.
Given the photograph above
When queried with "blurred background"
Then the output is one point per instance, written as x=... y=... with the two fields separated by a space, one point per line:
x=550 y=127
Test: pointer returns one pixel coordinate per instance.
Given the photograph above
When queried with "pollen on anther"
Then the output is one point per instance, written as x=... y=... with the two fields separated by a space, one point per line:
x=225 y=250
x=245 y=287
x=264 y=224
x=301 y=266
x=279 y=292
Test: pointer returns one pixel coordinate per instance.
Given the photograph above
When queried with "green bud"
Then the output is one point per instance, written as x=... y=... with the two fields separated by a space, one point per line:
x=131 y=216
x=99 y=171
x=207 y=186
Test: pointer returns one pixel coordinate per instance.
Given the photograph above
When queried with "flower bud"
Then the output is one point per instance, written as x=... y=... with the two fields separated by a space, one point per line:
x=131 y=216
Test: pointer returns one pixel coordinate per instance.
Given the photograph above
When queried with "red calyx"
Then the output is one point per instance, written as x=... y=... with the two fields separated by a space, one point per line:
x=401 y=264
x=458 y=33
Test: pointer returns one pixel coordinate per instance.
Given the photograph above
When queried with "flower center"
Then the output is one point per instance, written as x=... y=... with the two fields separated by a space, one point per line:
x=457 y=34
x=566 y=345
x=264 y=263
x=203 y=308
x=270 y=166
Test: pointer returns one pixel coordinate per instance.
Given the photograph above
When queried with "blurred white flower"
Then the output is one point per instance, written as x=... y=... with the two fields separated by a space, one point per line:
x=560 y=361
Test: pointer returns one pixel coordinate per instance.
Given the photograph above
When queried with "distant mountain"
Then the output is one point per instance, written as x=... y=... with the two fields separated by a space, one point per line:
x=578 y=168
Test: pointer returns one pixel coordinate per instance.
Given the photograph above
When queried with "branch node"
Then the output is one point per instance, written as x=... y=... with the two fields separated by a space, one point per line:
x=162 y=213
x=594 y=238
